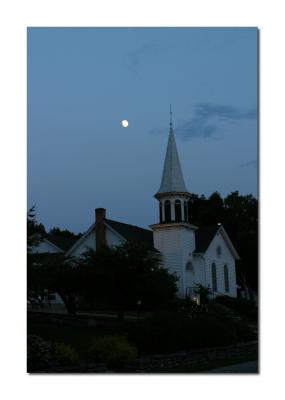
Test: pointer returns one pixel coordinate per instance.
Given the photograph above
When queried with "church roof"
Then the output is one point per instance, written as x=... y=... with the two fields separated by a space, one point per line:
x=132 y=233
x=172 y=177
x=204 y=236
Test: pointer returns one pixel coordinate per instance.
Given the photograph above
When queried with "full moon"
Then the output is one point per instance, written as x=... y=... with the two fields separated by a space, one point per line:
x=124 y=123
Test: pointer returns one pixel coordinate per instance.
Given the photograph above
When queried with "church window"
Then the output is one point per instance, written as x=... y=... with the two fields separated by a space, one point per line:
x=189 y=266
x=167 y=211
x=185 y=212
x=226 y=277
x=160 y=212
x=189 y=210
x=219 y=251
x=214 y=277
x=178 y=214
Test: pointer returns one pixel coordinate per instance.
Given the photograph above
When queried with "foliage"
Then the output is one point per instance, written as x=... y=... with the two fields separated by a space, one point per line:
x=43 y=354
x=242 y=306
x=188 y=327
x=65 y=354
x=115 y=351
x=125 y=275
x=39 y=353
x=56 y=273
x=33 y=229
x=167 y=332
x=55 y=231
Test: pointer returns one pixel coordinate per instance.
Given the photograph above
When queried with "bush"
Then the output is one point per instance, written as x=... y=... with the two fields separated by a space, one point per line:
x=244 y=332
x=243 y=306
x=171 y=331
x=65 y=354
x=115 y=351
x=40 y=353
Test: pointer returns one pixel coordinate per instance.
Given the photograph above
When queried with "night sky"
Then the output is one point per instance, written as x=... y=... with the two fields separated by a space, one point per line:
x=83 y=81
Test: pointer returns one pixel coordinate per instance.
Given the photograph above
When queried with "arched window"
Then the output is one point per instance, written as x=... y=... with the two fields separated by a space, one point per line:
x=167 y=211
x=185 y=212
x=226 y=277
x=189 y=210
x=160 y=212
x=189 y=266
x=178 y=214
x=214 y=277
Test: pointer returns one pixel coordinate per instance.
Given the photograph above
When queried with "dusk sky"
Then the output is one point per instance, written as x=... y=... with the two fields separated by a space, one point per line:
x=83 y=81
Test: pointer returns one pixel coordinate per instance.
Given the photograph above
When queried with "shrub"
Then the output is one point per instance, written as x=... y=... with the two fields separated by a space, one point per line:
x=242 y=306
x=115 y=351
x=65 y=354
x=166 y=332
x=244 y=332
x=40 y=353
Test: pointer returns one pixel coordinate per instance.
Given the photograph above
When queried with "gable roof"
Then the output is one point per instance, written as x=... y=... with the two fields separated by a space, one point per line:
x=132 y=233
x=205 y=235
x=128 y=232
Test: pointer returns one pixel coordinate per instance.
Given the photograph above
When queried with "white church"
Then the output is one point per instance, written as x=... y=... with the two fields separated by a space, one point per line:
x=199 y=256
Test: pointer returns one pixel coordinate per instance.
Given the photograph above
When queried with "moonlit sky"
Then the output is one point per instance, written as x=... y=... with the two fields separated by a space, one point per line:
x=82 y=82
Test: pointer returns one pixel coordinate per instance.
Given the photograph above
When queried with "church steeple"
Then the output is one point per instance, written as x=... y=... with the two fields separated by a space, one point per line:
x=172 y=177
x=173 y=195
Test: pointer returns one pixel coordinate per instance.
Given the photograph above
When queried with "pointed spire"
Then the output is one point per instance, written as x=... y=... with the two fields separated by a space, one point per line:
x=172 y=177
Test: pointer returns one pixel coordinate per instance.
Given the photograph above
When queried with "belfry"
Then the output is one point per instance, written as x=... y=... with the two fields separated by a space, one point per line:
x=174 y=235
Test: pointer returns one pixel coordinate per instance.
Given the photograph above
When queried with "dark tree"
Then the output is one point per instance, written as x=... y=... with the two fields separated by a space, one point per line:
x=55 y=231
x=124 y=276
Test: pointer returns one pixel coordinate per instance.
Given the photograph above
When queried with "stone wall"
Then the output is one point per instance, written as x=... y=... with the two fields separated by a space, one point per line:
x=194 y=358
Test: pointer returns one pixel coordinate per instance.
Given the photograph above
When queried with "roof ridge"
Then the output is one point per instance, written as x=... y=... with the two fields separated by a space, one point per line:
x=123 y=223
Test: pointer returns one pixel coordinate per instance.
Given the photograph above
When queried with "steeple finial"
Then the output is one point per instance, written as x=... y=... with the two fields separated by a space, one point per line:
x=170 y=117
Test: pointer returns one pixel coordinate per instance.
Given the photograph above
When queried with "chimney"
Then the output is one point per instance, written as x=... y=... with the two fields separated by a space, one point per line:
x=100 y=214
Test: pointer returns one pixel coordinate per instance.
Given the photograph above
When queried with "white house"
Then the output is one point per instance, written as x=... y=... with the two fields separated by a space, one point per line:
x=203 y=256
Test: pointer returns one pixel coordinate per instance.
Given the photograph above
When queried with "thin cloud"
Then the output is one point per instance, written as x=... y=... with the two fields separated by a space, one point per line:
x=135 y=57
x=209 y=119
x=252 y=163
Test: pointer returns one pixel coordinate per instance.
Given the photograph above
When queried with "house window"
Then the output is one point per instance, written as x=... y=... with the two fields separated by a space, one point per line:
x=185 y=212
x=219 y=251
x=226 y=277
x=178 y=215
x=214 y=277
x=167 y=211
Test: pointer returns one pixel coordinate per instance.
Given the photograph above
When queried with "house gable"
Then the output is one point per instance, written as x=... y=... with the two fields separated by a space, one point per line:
x=46 y=246
x=88 y=240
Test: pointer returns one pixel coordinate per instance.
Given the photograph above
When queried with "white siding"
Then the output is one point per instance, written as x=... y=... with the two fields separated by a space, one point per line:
x=113 y=239
x=45 y=247
x=88 y=242
x=226 y=257
x=175 y=243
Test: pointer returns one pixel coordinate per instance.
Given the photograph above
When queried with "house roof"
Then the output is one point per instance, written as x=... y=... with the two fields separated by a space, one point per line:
x=172 y=177
x=132 y=233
